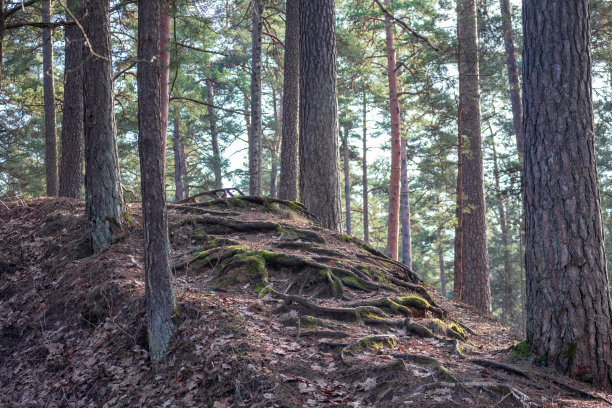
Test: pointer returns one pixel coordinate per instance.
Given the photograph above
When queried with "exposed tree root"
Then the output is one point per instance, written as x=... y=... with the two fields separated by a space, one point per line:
x=501 y=389
x=186 y=208
x=440 y=371
x=500 y=366
x=326 y=334
x=375 y=342
x=305 y=246
x=575 y=390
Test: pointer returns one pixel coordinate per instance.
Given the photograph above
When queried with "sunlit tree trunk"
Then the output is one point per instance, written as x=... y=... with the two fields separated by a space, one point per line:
x=474 y=253
x=458 y=244
x=394 y=110
x=255 y=135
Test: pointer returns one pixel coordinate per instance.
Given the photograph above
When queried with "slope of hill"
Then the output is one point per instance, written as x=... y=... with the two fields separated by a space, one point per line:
x=271 y=311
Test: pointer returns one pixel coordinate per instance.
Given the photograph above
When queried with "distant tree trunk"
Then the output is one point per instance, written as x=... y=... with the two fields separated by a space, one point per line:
x=364 y=170
x=503 y=224
x=214 y=134
x=180 y=165
x=103 y=197
x=71 y=177
x=2 y=31
x=441 y=262
x=405 y=209
x=396 y=150
x=247 y=116
x=49 y=102
x=569 y=313
x=319 y=181
x=275 y=145
x=256 y=136
x=513 y=76
x=152 y=150
x=458 y=262
x=347 y=180
x=475 y=258
x=288 y=186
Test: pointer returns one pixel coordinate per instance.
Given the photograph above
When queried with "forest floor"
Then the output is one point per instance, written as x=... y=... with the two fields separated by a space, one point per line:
x=271 y=312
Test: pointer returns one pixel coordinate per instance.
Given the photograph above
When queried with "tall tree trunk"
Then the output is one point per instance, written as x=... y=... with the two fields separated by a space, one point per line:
x=288 y=186
x=405 y=209
x=52 y=177
x=441 y=262
x=347 y=180
x=319 y=176
x=503 y=224
x=569 y=313
x=2 y=31
x=396 y=149
x=513 y=76
x=214 y=134
x=255 y=136
x=164 y=59
x=475 y=258
x=103 y=197
x=71 y=170
x=458 y=245
x=364 y=170
x=152 y=151
x=180 y=165
x=275 y=144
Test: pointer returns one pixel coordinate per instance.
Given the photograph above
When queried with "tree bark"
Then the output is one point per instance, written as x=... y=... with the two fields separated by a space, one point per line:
x=458 y=244
x=569 y=313
x=51 y=172
x=507 y=303
x=347 y=181
x=152 y=150
x=71 y=170
x=475 y=290
x=441 y=262
x=164 y=59
x=214 y=134
x=288 y=186
x=180 y=165
x=319 y=176
x=2 y=31
x=255 y=135
x=364 y=170
x=405 y=209
x=396 y=150
x=102 y=182
x=513 y=76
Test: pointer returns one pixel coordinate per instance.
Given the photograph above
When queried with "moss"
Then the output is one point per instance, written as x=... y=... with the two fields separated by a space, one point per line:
x=414 y=302
x=444 y=374
x=92 y=314
x=309 y=322
x=569 y=351
x=397 y=366
x=521 y=350
x=458 y=329
x=128 y=220
x=316 y=228
x=356 y=283
x=373 y=343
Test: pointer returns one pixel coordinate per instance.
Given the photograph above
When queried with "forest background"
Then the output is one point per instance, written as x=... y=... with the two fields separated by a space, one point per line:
x=209 y=117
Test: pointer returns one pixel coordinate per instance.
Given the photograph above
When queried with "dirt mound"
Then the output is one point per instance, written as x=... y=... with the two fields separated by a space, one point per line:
x=271 y=311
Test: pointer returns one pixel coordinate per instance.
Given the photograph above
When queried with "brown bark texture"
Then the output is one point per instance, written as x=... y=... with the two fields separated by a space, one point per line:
x=51 y=170
x=347 y=181
x=152 y=152
x=319 y=176
x=396 y=150
x=513 y=75
x=458 y=244
x=255 y=134
x=71 y=169
x=214 y=134
x=164 y=59
x=475 y=259
x=2 y=31
x=275 y=147
x=405 y=209
x=180 y=166
x=288 y=184
x=102 y=182
x=364 y=169
x=568 y=302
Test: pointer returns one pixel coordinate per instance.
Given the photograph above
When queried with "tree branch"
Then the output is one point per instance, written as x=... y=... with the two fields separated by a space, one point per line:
x=412 y=31
x=183 y=98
